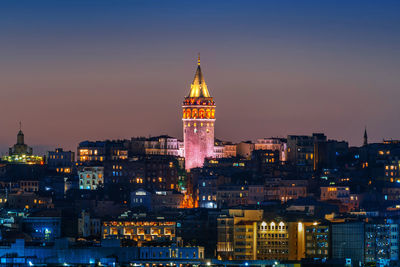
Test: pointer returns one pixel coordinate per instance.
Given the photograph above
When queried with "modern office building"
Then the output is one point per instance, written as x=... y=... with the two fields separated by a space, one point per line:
x=348 y=241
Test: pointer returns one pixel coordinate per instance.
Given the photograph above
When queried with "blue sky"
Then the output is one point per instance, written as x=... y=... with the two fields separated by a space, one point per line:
x=77 y=70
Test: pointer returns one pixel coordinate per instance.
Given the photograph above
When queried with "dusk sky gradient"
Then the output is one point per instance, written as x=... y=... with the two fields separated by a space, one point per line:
x=94 y=70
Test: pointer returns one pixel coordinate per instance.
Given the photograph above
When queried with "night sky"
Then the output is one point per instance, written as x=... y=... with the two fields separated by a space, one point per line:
x=79 y=70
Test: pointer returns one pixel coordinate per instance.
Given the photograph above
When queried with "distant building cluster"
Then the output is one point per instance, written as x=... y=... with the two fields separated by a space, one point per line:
x=295 y=200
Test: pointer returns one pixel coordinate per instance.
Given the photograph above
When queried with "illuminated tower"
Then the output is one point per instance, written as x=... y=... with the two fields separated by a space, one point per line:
x=20 y=148
x=198 y=122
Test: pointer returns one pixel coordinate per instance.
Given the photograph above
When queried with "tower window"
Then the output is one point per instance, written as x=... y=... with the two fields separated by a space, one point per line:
x=195 y=130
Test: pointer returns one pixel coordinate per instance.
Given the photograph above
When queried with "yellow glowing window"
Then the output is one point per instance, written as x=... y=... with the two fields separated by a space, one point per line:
x=194 y=113
x=202 y=113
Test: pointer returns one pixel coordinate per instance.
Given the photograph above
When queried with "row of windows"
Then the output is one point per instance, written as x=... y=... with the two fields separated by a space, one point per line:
x=273 y=235
x=273 y=243
x=99 y=175
x=201 y=124
x=272 y=226
x=273 y=251
x=56 y=157
x=201 y=113
x=167 y=254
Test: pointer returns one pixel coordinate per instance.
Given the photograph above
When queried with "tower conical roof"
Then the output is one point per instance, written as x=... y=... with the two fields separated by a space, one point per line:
x=198 y=88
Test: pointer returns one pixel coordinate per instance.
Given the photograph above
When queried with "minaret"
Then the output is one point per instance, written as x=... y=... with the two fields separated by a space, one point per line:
x=198 y=122
x=365 y=137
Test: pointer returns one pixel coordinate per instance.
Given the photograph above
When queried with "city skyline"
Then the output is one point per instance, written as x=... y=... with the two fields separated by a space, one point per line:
x=199 y=133
x=274 y=71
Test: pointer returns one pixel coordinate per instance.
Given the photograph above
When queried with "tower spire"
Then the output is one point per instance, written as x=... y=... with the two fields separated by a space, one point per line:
x=365 y=136
x=20 y=126
x=198 y=88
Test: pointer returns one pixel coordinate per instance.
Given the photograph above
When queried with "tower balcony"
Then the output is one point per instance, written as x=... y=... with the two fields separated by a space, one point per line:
x=198 y=101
